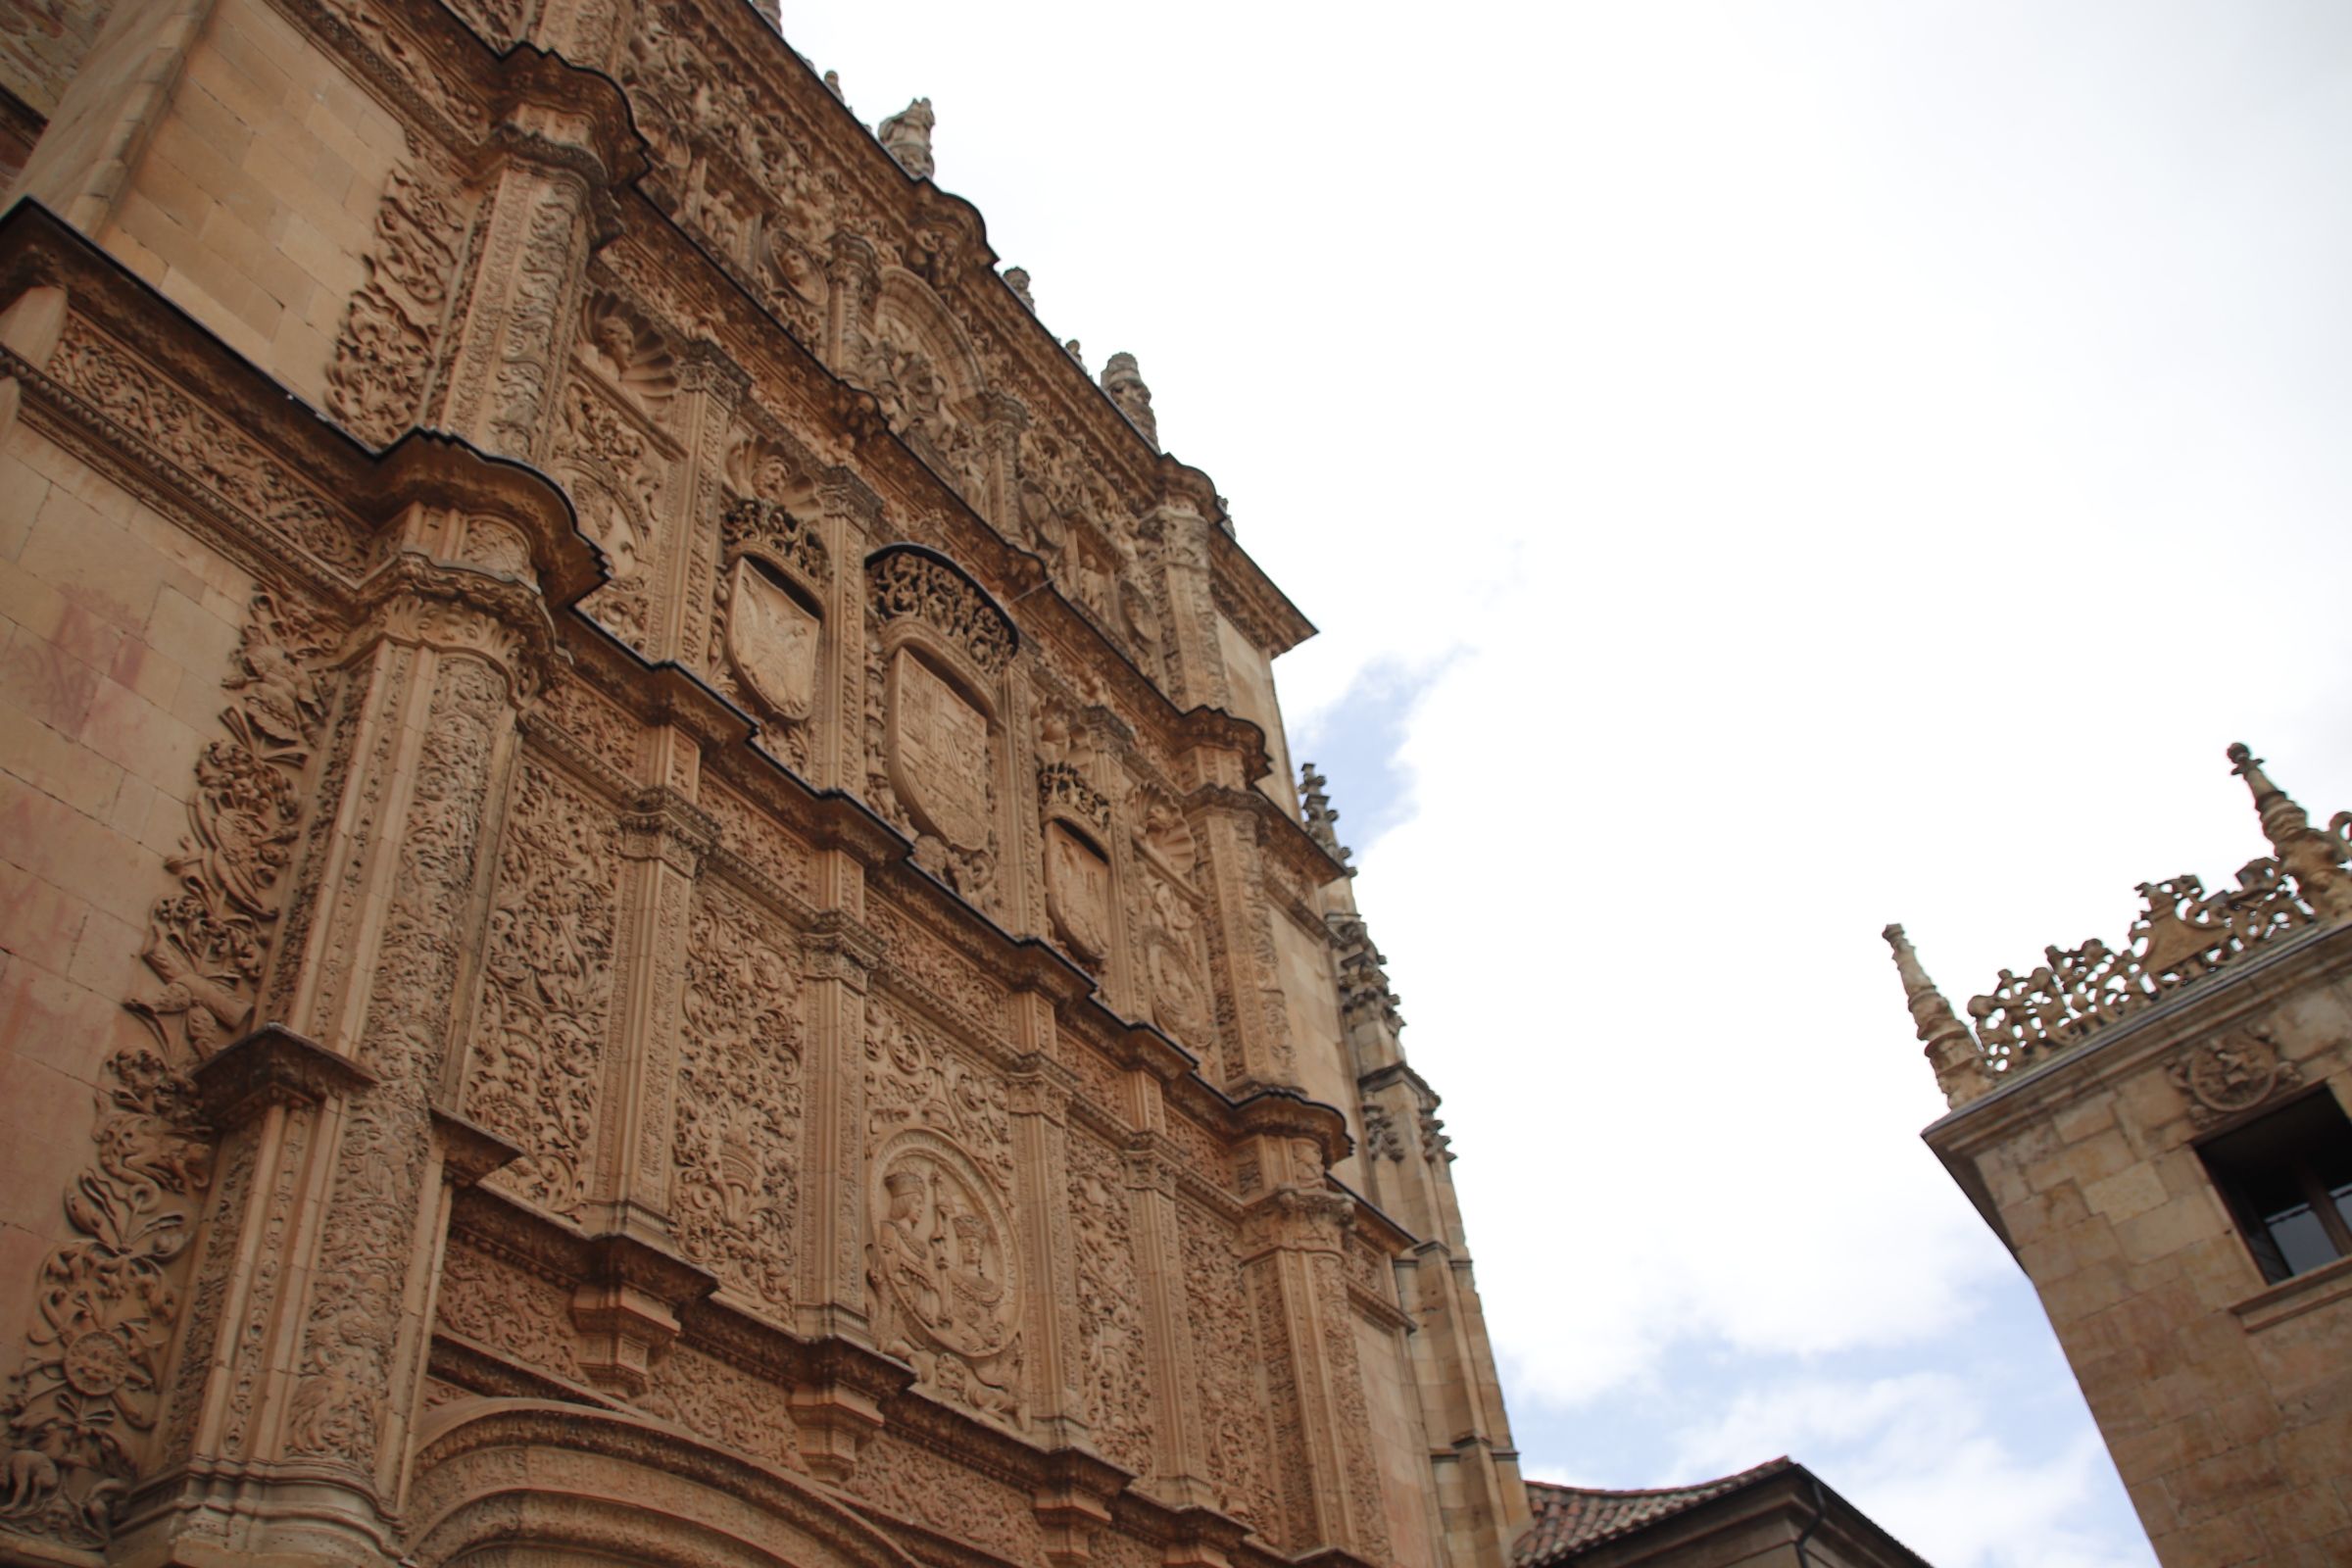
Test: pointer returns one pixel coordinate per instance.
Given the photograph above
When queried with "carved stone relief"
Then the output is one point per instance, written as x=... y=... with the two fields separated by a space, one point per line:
x=615 y=475
x=768 y=630
x=943 y=1262
x=84 y=1396
x=736 y=1148
x=1117 y=1371
x=508 y=1311
x=535 y=1067
x=383 y=357
x=932 y=744
x=1232 y=1405
x=2235 y=1072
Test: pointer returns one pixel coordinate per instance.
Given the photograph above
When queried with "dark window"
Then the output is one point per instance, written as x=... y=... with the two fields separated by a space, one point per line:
x=2288 y=1178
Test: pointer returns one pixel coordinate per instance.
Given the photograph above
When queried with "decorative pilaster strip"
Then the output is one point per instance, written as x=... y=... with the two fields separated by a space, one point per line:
x=664 y=840
x=91 y=1383
x=840 y=954
x=1040 y=1097
x=1180 y=1448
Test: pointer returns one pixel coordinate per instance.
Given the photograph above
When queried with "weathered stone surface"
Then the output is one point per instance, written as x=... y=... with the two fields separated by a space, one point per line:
x=2223 y=1397
x=664 y=918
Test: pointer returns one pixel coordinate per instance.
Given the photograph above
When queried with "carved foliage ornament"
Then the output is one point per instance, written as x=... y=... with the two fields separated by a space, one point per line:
x=87 y=1392
x=385 y=354
x=2237 y=1072
x=534 y=1067
x=2182 y=934
x=737 y=1145
x=1111 y=1328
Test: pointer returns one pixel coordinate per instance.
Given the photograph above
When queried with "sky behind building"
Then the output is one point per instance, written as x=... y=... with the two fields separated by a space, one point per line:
x=1760 y=472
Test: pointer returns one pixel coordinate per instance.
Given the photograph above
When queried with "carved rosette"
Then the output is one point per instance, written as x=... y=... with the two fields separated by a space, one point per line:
x=2219 y=1078
x=82 y=1401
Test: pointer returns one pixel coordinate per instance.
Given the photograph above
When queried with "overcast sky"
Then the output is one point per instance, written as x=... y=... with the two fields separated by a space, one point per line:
x=1761 y=471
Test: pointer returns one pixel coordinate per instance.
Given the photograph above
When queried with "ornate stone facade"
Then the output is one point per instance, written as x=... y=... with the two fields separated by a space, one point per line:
x=2156 y=1130
x=674 y=883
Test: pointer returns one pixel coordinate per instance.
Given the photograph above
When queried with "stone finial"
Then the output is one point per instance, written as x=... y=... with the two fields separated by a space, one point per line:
x=1314 y=808
x=1016 y=278
x=1125 y=384
x=1951 y=1048
x=906 y=137
x=2313 y=858
x=833 y=87
x=1077 y=355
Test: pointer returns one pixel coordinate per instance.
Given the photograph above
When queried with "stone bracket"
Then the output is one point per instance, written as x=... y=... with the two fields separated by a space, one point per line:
x=627 y=1311
x=274 y=1066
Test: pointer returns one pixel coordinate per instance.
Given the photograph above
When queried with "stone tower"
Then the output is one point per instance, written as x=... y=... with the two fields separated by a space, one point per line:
x=2157 y=1131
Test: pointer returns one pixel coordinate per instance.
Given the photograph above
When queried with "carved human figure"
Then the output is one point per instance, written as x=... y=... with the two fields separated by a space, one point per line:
x=910 y=1260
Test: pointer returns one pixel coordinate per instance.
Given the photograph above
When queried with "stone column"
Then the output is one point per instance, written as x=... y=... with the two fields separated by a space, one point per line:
x=834 y=1408
x=713 y=388
x=299 y=1391
x=1197 y=664
x=853 y=522
x=663 y=842
x=855 y=274
x=565 y=143
x=1040 y=1091
x=1180 y=1451
x=1257 y=1038
x=1291 y=1237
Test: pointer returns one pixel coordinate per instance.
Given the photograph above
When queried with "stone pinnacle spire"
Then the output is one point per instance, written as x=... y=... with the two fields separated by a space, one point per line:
x=1951 y=1048
x=906 y=137
x=2313 y=858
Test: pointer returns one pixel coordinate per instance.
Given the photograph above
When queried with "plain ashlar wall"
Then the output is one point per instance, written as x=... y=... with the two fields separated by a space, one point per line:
x=209 y=147
x=117 y=630
x=2226 y=1402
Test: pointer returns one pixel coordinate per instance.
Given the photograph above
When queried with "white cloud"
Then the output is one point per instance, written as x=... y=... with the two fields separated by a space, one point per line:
x=1921 y=1454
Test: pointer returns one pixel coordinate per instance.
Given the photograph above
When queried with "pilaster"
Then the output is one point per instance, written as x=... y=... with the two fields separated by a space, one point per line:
x=1181 y=1471
x=562 y=143
x=308 y=1390
x=1040 y=1091
x=1198 y=665
x=663 y=840
x=713 y=387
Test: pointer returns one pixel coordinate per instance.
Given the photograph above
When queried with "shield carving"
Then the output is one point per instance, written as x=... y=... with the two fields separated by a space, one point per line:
x=1078 y=891
x=772 y=642
x=938 y=752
